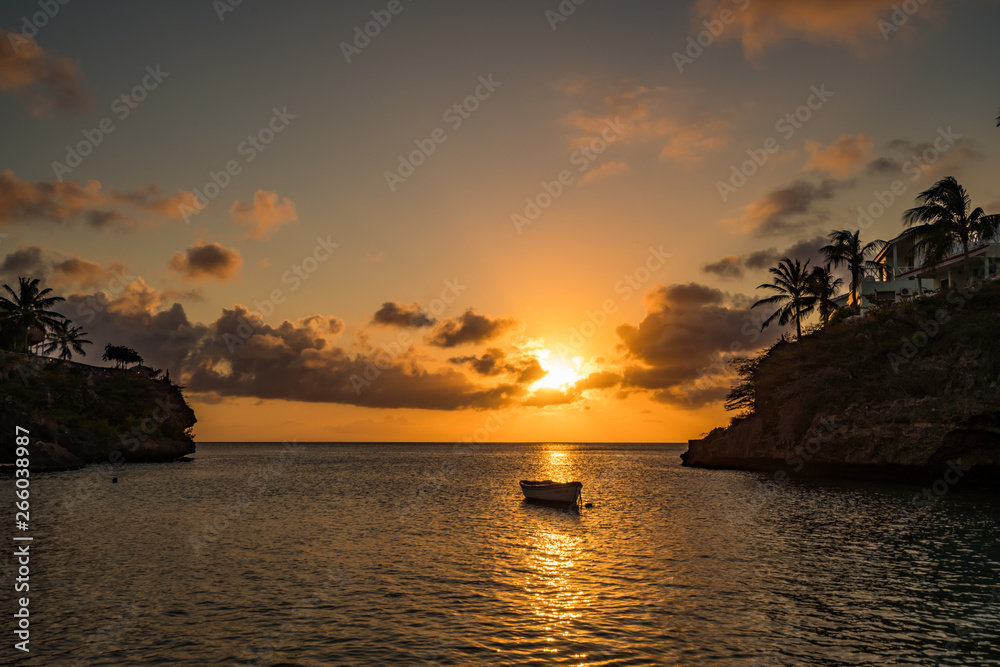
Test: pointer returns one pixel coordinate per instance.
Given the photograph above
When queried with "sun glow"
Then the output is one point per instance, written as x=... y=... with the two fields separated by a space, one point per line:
x=560 y=373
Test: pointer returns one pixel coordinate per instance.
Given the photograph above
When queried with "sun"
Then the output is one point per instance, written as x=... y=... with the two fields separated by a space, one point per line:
x=560 y=372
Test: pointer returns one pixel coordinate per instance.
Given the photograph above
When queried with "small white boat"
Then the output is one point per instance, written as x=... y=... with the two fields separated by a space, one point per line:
x=552 y=492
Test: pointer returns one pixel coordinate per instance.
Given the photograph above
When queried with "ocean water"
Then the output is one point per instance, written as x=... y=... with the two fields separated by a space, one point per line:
x=421 y=554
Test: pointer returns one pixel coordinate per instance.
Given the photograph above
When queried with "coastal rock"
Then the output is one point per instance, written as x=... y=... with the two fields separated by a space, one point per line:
x=50 y=456
x=78 y=414
x=906 y=392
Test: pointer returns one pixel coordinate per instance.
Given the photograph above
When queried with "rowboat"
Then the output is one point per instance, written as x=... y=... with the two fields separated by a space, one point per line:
x=552 y=492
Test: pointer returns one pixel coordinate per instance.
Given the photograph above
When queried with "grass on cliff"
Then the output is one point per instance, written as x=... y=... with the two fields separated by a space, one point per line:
x=58 y=397
x=926 y=347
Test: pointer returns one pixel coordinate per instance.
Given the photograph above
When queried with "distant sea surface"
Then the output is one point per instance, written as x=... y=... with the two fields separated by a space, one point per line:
x=413 y=554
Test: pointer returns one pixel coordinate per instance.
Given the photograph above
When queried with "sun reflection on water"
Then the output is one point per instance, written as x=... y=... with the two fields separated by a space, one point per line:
x=551 y=583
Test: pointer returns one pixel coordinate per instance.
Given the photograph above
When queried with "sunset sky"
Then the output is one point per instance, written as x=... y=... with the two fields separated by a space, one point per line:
x=477 y=195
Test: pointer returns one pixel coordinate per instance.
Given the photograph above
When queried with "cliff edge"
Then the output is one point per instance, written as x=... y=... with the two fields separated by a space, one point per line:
x=908 y=391
x=78 y=414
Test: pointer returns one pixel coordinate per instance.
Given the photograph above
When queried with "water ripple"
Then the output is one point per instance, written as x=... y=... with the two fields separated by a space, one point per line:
x=390 y=554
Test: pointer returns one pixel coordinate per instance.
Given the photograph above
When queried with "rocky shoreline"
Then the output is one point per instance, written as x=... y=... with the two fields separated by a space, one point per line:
x=910 y=392
x=78 y=414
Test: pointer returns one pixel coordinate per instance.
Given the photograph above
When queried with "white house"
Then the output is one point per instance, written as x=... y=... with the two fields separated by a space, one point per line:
x=903 y=277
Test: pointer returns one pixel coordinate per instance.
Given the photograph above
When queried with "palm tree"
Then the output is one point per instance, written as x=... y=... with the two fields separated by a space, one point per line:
x=792 y=283
x=944 y=218
x=29 y=307
x=824 y=286
x=67 y=340
x=845 y=249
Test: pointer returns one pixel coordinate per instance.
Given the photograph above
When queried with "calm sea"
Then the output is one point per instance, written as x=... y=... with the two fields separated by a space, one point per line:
x=375 y=554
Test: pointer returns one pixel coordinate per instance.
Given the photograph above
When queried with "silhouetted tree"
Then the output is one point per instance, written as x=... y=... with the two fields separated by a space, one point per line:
x=743 y=396
x=845 y=249
x=792 y=283
x=28 y=307
x=824 y=286
x=121 y=355
x=67 y=340
x=944 y=218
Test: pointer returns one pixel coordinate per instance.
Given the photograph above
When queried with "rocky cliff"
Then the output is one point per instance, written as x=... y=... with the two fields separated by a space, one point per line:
x=79 y=414
x=908 y=391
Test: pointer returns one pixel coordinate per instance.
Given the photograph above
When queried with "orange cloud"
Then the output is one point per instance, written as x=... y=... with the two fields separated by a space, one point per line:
x=263 y=217
x=42 y=80
x=642 y=115
x=764 y=23
x=85 y=274
x=605 y=170
x=69 y=201
x=207 y=261
x=689 y=143
x=842 y=158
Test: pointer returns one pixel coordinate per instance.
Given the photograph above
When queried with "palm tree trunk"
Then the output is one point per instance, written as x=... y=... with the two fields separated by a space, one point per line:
x=856 y=289
x=965 y=253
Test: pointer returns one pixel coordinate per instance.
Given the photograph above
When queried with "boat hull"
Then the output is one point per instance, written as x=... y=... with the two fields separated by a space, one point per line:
x=552 y=492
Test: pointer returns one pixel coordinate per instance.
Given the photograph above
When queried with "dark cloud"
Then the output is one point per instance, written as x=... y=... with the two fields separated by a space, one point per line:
x=490 y=363
x=792 y=208
x=400 y=315
x=678 y=350
x=928 y=159
x=242 y=356
x=883 y=165
x=598 y=380
x=207 y=261
x=26 y=262
x=529 y=371
x=239 y=355
x=729 y=266
x=43 y=81
x=136 y=316
x=735 y=266
x=523 y=368
x=471 y=327
x=59 y=273
x=761 y=259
